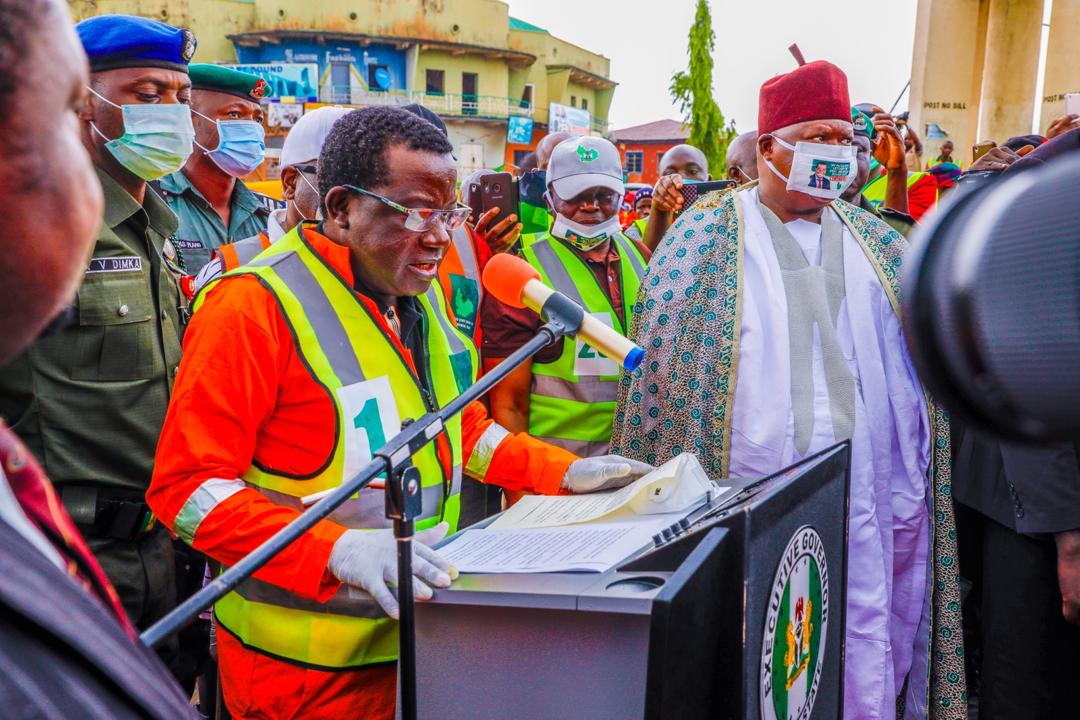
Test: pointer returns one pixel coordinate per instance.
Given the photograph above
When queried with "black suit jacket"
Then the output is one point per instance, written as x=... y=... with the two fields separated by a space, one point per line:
x=63 y=656
x=1029 y=488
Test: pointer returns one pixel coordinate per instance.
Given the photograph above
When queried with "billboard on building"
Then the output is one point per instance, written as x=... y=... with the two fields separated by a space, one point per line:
x=289 y=82
x=519 y=130
x=563 y=118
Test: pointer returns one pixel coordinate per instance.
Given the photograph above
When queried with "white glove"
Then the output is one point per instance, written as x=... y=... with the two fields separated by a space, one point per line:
x=367 y=559
x=602 y=473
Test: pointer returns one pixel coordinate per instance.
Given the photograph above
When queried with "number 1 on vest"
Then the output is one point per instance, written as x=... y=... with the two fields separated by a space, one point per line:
x=370 y=416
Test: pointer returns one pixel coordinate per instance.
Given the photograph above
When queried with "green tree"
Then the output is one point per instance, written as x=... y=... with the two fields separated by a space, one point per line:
x=692 y=90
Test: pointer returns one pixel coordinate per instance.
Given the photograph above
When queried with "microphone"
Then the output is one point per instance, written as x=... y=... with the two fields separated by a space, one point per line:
x=516 y=283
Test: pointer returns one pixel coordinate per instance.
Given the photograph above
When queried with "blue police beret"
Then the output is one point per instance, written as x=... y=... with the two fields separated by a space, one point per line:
x=121 y=41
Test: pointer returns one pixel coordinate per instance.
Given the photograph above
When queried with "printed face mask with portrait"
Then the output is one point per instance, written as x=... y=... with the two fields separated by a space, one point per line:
x=818 y=169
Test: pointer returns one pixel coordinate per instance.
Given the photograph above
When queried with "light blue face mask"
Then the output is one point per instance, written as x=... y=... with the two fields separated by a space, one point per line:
x=157 y=139
x=241 y=145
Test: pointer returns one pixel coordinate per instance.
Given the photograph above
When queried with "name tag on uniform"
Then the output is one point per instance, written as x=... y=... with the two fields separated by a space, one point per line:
x=587 y=360
x=187 y=244
x=115 y=264
x=370 y=418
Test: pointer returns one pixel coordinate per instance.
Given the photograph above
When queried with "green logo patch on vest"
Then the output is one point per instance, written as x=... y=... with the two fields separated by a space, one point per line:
x=795 y=627
x=464 y=302
x=462 y=366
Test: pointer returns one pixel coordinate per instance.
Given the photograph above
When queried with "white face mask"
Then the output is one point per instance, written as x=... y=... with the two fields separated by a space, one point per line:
x=585 y=237
x=818 y=169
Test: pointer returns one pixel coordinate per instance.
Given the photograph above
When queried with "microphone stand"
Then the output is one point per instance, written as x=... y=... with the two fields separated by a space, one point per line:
x=561 y=317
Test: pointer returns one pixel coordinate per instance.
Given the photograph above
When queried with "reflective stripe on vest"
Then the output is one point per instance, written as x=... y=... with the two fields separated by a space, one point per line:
x=241 y=252
x=571 y=411
x=347 y=353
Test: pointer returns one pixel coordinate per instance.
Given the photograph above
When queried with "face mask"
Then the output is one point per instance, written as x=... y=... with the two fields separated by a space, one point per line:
x=584 y=237
x=157 y=139
x=241 y=146
x=838 y=162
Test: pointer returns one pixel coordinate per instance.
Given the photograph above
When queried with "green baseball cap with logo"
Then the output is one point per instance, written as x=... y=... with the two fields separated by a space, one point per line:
x=582 y=163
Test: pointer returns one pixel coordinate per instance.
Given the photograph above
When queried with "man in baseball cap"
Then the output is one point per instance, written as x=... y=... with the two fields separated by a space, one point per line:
x=586 y=257
x=299 y=165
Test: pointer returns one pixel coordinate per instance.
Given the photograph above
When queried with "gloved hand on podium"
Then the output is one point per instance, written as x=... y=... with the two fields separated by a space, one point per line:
x=602 y=473
x=367 y=559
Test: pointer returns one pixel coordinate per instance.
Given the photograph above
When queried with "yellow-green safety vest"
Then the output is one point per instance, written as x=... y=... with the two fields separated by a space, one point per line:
x=575 y=411
x=373 y=389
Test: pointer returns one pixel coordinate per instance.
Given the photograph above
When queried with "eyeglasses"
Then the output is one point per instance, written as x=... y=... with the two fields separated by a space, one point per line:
x=422 y=219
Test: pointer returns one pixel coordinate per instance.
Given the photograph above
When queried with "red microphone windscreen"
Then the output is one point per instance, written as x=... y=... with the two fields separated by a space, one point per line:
x=505 y=277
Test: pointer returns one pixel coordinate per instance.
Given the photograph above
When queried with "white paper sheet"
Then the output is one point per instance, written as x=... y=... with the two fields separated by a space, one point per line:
x=676 y=486
x=578 y=548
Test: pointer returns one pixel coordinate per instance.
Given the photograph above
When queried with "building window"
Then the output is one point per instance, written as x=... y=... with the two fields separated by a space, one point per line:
x=527 y=95
x=469 y=98
x=584 y=103
x=573 y=101
x=436 y=82
x=659 y=159
x=634 y=161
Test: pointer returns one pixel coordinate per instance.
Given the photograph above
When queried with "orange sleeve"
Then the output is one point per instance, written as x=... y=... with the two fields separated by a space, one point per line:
x=519 y=461
x=235 y=351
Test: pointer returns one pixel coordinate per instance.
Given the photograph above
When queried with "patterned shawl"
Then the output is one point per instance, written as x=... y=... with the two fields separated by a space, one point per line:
x=687 y=318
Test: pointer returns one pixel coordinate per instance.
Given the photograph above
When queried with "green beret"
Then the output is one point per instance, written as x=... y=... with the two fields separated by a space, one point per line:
x=219 y=78
x=861 y=121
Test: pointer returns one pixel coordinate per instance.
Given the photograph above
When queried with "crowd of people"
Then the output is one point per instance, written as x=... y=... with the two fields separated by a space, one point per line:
x=185 y=367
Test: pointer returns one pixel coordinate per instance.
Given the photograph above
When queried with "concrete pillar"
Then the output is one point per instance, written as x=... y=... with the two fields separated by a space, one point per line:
x=1062 y=60
x=1013 y=32
x=947 y=71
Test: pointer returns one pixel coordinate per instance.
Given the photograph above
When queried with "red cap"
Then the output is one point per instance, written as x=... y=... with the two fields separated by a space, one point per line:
x=505 y=277
x=814 y=91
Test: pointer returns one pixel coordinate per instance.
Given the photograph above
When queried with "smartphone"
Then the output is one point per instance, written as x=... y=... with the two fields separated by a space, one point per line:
x=1072 y=103
x=977 y=151
x=475 y=203
x=692 y=191
x=501 y=191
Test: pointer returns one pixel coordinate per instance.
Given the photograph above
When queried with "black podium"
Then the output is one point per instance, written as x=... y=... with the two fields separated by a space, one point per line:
x=740 y=617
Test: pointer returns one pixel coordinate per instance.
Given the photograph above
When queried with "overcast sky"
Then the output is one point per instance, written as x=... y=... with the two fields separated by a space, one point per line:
x=871 y=40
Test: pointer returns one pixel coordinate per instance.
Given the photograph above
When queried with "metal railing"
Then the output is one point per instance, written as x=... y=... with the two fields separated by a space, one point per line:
x=453 y=104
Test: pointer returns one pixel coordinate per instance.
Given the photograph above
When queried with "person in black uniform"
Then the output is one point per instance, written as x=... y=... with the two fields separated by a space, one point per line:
x=1018 y=521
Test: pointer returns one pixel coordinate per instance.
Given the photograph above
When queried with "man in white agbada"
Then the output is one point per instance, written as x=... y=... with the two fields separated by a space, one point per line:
x=769 y=318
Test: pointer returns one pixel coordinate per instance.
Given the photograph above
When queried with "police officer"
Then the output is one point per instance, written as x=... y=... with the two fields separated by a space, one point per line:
x=90 y=400
x=213 y=206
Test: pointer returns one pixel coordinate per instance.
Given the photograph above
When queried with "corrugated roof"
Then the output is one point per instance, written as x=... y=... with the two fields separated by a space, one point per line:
x=653 y=132
x=516 y=24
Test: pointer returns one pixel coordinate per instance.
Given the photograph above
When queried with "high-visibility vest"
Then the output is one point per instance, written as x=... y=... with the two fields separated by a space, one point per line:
x=459 y=276
x=241 y=252
x=874 y=191
x=569 y=410
x=373 y=390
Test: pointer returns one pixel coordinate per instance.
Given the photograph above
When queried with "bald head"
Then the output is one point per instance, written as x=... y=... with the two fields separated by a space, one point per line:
x=741 y=158
x=687 y=161
x=546 y=145
x=46 y=170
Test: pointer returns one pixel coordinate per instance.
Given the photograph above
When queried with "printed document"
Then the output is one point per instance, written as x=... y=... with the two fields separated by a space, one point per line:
x=676 y=486
x=578 y=548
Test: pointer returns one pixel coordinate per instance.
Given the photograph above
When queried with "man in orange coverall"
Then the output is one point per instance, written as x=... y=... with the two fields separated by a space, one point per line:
x=296 y=367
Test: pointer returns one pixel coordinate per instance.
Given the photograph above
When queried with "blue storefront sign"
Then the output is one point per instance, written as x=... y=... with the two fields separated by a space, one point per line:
x=343 y=66
x=519 y=131
x=291 y=82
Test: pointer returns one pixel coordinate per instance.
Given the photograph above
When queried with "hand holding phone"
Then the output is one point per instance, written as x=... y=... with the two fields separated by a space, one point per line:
x=691 y=191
